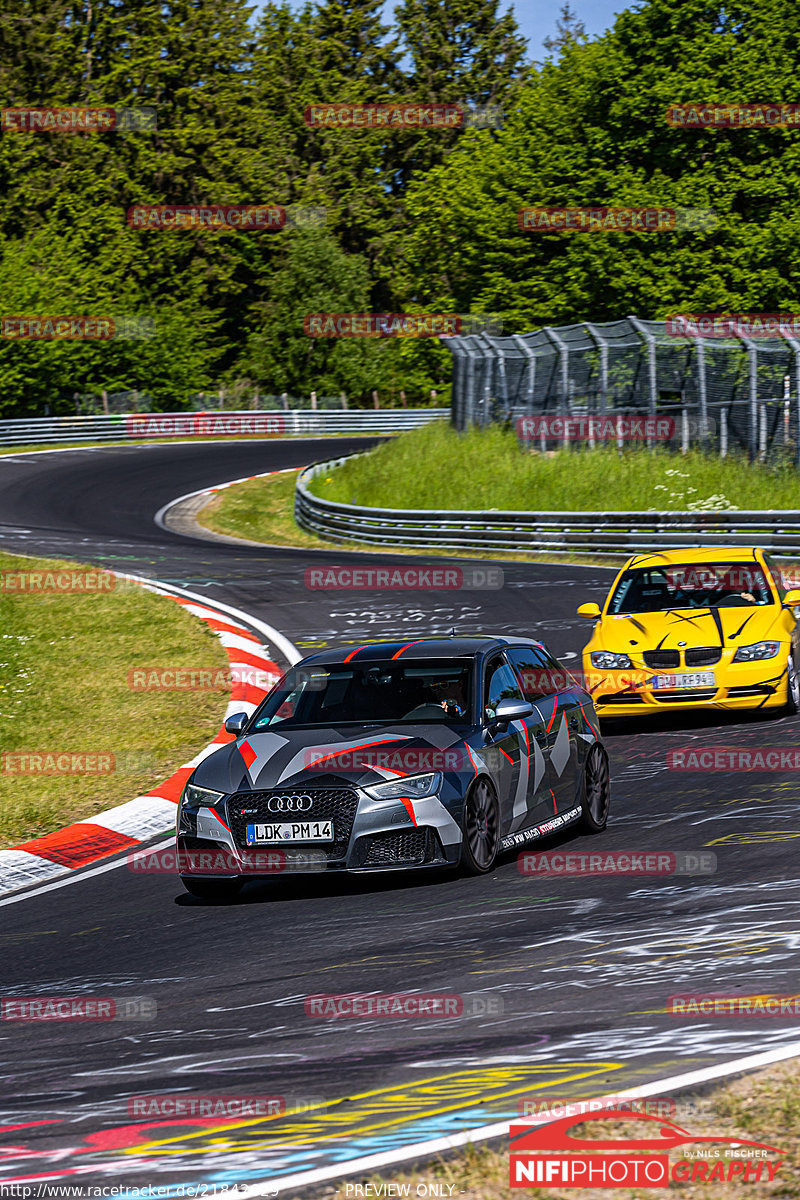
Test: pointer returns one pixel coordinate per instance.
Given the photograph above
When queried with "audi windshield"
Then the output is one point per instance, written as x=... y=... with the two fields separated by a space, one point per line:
x=695 y=585
x=372 y=693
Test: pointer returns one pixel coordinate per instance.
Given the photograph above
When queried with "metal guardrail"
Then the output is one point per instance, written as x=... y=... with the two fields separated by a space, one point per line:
x=598 y=533
x=232 y=423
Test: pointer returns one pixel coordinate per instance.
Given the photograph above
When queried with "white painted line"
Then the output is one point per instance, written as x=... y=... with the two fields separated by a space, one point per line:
x=281 y=643
x=482 y=1133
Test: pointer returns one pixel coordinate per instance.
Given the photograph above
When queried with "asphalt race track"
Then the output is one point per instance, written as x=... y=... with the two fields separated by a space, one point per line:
x=567 y=978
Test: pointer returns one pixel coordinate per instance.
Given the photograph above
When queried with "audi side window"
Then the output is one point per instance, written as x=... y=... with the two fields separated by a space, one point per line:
x=540 y=674
x=501 y=684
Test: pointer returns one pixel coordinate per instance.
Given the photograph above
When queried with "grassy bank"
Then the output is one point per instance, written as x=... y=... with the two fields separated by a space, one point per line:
x=761 y=1107
x=65 y=660
x=435 y=467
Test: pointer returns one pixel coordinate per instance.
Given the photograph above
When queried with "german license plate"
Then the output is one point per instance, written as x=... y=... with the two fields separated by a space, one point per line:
x=290 y=831
x=697 y=679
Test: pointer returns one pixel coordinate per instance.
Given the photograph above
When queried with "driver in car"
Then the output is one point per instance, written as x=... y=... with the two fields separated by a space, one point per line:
x=449 y=694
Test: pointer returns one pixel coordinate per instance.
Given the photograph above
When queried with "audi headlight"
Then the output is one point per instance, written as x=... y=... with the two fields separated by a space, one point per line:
x=195 y=796
x=757 y=651
x=608 y=661
x=412 y=788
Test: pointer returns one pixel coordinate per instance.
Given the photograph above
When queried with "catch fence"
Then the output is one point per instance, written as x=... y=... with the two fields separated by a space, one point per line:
x=723 y=393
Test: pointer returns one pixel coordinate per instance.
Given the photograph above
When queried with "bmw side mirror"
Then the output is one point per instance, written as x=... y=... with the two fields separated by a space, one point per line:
x=236 y=723
x=512 y=710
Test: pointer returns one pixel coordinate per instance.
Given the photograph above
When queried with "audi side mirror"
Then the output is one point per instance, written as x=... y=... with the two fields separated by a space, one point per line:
x=792 y=598
x=236 y=723
x=591 y=611
x=512 y=710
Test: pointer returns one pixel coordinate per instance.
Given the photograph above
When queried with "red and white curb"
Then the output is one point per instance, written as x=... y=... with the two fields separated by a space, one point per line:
x=138 y=820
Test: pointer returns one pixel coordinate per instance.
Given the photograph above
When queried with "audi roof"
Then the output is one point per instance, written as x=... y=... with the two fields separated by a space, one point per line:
x=438 y=647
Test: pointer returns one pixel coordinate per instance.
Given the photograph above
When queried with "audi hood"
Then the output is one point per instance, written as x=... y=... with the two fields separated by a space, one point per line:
x=313 y=757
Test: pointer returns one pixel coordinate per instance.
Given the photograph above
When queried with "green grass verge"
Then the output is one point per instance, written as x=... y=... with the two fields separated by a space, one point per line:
x=64 y=687
x=435 y=467
x=262 y=510
x=762 y=1107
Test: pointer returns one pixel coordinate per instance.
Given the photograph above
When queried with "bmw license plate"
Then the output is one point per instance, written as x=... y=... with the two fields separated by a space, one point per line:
x=697 y=679
x=290 y=831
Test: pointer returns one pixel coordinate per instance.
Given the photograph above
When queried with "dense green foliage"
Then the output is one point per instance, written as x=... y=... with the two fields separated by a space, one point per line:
x=415 y=221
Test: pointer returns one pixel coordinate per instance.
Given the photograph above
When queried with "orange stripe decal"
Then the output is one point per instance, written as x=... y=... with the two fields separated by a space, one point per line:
x=402 y=648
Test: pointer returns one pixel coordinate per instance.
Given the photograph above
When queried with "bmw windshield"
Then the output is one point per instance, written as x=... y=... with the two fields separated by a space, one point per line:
x=694 y=585
x=370 y=693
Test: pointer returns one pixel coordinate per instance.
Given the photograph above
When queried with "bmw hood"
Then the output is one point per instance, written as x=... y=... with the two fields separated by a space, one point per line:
x=679 y=628
x=332 y=757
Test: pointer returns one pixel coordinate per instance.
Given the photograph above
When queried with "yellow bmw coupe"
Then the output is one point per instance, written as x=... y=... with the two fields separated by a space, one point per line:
x=713 y=628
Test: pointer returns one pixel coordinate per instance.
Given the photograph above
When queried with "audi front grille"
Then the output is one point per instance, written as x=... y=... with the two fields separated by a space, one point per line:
x=327 y=804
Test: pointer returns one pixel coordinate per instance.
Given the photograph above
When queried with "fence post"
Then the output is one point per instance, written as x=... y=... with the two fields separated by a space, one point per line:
x=795 y=345
x=105 y=402
x=602 y=346
x=563 y=360
x=530 y=371
x=652 y=370
x=723 y=433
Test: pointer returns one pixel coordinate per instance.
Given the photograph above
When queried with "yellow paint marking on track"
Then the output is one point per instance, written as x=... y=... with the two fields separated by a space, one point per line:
x=755 y=839
x=303 y=1132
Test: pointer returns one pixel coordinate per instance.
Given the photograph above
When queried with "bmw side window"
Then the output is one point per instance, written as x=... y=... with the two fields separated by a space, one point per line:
x=777 y=577
x=501 y=684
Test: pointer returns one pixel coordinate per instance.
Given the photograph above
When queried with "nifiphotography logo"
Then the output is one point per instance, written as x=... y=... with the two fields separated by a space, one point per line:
x=548 y=1154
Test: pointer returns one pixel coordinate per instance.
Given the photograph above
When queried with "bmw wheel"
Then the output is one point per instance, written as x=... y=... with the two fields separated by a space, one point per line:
x=792 y=688
x=595 y=791
x=480 y=842
x=212 y=889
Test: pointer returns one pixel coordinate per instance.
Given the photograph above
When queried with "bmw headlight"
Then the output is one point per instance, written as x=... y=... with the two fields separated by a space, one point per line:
x=608 y=661
x=757 y=651
x=412 y=788
x=194 y=796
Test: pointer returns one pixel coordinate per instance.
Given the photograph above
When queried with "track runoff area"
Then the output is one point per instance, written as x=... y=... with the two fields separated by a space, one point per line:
x=566 y=984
